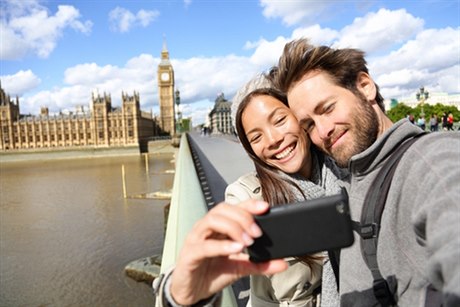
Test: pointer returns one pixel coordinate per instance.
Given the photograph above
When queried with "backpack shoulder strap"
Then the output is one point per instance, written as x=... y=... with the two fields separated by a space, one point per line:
x=371 y=216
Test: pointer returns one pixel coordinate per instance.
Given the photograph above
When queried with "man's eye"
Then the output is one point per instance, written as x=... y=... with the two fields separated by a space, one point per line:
x=328 y=108
x=307 y=126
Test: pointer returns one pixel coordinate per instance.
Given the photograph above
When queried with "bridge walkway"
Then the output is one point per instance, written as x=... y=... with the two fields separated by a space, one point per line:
x=205 y=165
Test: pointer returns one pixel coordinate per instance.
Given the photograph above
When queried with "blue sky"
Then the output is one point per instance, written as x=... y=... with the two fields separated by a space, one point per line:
x=57 y=53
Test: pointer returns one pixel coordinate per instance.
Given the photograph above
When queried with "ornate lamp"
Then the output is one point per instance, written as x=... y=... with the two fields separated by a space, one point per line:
x=177 y=94
x=421 y=96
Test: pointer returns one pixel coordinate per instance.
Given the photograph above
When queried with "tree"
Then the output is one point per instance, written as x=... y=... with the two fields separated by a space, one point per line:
x=401 y=111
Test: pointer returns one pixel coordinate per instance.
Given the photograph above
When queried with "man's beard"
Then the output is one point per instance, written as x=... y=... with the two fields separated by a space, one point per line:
x=364 y=129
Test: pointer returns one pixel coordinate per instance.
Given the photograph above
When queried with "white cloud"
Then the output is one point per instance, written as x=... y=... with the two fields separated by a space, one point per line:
x=146 y=17
x=82 y=80
x=402 y=55
x=267 y=53
x=204 y=78
x=198 y=111
x=63 y=99
x=30 y=28
x=198 y=79
x=90 y=73
x=122 y=20
x=12 y=46
x=447 y=80
x=20 y=83
x=428 y=57
x=379 y=31
x=432 y=48
x=135 y=75
x=294 y=12
x=316 y=34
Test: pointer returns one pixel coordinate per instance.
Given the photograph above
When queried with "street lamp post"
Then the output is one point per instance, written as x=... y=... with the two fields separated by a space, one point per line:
x=421 y=96
x=178 y=130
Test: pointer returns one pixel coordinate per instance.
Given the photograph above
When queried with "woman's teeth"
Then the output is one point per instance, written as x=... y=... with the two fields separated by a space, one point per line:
x=284 y=153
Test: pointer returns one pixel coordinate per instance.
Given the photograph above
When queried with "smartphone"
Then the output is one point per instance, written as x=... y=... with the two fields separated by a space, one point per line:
x=303 y=228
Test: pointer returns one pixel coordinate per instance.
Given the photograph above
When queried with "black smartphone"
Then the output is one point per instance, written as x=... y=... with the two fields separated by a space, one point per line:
x=303 y=228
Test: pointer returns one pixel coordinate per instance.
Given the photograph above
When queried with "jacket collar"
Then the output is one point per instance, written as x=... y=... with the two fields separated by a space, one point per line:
x=366 y=161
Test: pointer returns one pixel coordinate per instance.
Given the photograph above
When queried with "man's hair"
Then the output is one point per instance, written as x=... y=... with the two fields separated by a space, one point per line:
x=342 y=66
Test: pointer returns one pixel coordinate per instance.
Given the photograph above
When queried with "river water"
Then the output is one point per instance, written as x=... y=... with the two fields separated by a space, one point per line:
x=66 y=232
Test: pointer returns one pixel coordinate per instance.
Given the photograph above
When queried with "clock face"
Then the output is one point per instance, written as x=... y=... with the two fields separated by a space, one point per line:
x=164 y=76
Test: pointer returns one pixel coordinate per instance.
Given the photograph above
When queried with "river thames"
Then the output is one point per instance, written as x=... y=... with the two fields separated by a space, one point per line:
x=67 y=233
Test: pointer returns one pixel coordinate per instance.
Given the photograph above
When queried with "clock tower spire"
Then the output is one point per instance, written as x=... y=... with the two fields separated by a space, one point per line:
x=165 y=74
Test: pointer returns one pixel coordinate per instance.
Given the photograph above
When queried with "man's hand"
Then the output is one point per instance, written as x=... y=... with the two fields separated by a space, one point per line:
x=212 y=256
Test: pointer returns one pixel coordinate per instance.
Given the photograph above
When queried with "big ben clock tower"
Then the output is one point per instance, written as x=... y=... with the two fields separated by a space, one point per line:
x=166 y=92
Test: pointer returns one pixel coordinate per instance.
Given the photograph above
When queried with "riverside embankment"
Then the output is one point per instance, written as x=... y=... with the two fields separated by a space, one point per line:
x=154 y=147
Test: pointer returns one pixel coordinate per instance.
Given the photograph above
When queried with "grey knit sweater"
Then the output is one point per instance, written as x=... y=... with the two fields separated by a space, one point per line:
x=419 y=241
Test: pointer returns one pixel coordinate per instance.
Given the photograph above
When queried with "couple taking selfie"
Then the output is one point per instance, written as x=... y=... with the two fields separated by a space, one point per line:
x=313 y=125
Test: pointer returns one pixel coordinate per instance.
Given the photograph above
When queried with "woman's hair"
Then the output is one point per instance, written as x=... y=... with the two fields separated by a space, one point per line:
x=276 y=190
x=342 y=65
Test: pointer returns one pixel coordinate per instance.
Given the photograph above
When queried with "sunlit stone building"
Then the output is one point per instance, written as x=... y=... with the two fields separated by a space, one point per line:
x=101 y=126
x=220 y=116
x=448 y=99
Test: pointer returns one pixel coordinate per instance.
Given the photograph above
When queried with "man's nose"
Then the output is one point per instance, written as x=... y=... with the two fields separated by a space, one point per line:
x=325 y=128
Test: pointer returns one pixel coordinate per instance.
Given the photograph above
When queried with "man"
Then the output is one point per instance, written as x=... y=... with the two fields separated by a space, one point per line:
x=336 y=101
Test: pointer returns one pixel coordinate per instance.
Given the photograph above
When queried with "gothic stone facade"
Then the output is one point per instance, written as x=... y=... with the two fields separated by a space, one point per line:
x=102 y=126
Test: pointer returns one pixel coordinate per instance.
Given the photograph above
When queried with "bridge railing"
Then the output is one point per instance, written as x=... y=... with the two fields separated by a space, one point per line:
x=188 y=204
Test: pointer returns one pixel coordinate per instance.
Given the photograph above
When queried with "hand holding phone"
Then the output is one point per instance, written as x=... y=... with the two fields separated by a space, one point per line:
x=303 y=228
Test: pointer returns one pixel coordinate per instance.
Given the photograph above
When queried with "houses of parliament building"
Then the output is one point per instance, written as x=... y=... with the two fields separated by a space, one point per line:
x=100 y=126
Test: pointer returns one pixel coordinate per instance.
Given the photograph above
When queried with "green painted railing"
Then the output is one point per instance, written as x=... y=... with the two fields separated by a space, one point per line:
x=187 y=206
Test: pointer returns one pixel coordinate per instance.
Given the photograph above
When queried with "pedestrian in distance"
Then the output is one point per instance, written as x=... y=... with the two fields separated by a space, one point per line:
x=421 y=122
x=450 y=122
x=434 y=123
x=444 y=121
x=411 y=118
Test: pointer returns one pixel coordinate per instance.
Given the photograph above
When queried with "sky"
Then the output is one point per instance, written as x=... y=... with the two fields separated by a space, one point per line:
x=58 y=53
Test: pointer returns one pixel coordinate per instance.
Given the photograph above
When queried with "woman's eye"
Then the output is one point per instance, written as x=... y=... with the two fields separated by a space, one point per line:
x=280 y=120
x=255 y=138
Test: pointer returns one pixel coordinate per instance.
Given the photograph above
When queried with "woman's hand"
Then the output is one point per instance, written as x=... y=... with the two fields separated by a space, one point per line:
x=212 y=256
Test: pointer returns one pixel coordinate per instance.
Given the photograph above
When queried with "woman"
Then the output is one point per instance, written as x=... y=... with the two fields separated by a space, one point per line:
x=288 y=169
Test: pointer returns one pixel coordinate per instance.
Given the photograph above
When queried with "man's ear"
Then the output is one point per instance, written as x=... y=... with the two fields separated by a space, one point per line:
x=366 y=86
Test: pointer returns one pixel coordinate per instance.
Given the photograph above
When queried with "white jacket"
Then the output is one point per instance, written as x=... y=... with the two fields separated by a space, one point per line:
x=294 y=287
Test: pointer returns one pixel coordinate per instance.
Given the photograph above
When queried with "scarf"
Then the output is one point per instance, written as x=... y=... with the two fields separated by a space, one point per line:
x=326 y=179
